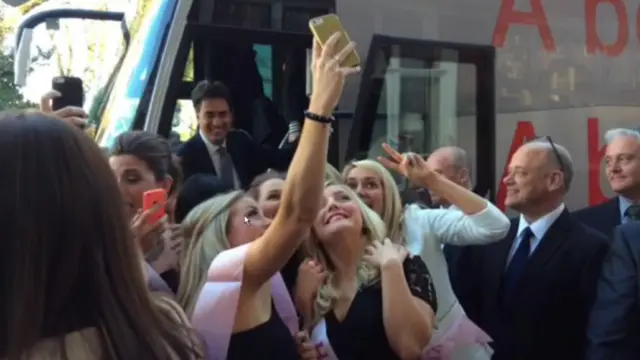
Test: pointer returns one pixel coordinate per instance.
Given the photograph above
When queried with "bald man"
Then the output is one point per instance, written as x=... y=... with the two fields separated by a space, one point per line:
x=451 y=162
x=533 y=290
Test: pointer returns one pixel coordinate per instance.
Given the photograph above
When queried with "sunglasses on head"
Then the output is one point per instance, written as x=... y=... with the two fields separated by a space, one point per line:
x=554 y=149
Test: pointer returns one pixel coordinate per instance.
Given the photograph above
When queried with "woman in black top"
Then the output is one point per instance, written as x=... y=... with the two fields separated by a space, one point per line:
x=375 y=302
x=229 y=280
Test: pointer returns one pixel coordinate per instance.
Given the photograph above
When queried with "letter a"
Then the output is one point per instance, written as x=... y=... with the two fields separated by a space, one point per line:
x=509 y=16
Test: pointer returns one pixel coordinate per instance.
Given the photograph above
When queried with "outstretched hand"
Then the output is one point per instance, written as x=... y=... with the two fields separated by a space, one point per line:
x=328 y=75
x=410 y=165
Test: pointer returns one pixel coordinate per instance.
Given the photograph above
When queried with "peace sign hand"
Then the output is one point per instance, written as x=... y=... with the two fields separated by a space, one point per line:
x=328 y=75
x=410 y=165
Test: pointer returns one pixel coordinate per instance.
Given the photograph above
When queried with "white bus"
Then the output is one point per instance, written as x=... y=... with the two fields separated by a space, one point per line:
x=481 y=74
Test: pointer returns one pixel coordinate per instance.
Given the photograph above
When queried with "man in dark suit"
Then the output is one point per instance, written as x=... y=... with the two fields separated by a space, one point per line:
x=217 y=149
x=614 y=329
x=623 y=173
x=452 y=163
x=533 y=290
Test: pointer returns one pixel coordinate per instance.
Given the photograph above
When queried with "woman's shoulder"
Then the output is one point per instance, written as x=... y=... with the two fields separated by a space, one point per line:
x=174 y=313
x=82 y=344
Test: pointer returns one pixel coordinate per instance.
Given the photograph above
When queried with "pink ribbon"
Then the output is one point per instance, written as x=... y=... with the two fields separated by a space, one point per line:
x=215 y=310
x=463 y=332
x=155 y=281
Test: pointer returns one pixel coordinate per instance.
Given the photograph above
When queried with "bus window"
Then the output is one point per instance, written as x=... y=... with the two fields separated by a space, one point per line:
x=265 y=72
x=185 y=123
x=420 y=95
x=135 y=73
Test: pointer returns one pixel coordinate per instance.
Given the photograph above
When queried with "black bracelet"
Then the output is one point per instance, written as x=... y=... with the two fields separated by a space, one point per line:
x=319 y=118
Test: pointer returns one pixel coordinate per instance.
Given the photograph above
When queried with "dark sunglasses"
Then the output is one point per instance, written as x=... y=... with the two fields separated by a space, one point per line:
x=555 y=150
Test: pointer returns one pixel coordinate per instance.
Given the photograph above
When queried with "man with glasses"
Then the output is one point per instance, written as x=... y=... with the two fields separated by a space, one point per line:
x=532 y=291
x=622 y=160
x=614 y=329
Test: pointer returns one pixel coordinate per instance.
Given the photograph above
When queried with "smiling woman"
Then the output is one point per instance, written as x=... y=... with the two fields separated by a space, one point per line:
x=141 y=162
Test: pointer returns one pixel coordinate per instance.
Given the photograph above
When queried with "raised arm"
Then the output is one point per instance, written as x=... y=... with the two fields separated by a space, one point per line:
x=454 y=227
x=476 y=222
x=302 y=192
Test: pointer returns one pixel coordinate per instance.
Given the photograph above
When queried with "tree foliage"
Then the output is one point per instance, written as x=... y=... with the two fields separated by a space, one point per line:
x=10 y=96
x=28 y=6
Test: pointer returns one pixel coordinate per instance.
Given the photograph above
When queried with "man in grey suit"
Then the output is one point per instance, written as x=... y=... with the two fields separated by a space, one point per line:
x=614 y=327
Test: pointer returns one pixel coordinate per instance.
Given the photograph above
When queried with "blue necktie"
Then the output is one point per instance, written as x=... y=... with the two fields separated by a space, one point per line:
x=518 y=263
x=633 y=212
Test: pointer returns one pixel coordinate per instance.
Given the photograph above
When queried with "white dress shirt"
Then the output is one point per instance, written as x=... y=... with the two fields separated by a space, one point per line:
x=425 y=232
x=215 y=158
x=538 y=228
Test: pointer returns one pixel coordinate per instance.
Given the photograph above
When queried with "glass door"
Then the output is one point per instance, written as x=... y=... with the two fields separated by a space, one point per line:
x=420 y=95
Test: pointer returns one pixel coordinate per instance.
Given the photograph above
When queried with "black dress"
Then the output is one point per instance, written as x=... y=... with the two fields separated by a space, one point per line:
x=270 y=340
x=361 y=334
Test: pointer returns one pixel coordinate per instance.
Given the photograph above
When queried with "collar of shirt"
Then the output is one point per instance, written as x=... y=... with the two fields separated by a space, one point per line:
x=623 y=205
x=211 y=146
x=538 y=228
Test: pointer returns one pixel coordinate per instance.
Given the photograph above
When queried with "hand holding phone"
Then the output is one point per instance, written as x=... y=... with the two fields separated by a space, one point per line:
x=323 y=27
x=154 y=200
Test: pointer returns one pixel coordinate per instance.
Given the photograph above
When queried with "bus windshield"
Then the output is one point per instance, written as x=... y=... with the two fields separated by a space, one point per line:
x=134 y=72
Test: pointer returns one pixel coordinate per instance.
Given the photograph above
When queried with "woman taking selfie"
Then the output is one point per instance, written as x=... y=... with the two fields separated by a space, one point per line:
x=475 y=221
x=229 y=277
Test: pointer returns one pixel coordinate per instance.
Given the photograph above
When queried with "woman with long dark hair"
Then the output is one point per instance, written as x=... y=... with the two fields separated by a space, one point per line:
x=142 y=161
x=71 y=278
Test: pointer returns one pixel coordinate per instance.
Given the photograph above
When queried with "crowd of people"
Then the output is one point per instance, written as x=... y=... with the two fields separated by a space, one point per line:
x=269 y=253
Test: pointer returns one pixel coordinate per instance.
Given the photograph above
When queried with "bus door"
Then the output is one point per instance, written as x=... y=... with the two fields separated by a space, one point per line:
x=420 y=95
x=260 y=51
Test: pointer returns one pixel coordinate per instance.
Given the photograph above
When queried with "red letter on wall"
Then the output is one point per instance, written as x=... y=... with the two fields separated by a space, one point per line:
x=595 y=155
x=594 y=43
x=524 y=132
x=509 y=16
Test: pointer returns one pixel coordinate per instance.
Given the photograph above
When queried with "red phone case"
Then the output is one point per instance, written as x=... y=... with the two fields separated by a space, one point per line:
x=150 y=199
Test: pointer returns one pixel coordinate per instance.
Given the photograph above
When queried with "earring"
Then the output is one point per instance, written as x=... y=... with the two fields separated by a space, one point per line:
x=246 y=221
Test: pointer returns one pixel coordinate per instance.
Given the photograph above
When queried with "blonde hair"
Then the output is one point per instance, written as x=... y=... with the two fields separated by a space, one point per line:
x=205 y=233
x=366 y=274
x=392 y=209
x=332 y=175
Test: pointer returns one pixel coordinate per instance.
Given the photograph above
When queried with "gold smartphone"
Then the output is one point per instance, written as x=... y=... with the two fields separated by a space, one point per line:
x=324 y=26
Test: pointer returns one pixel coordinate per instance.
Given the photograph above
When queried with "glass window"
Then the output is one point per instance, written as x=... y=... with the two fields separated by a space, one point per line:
x=135 y=72
x=425 y=98
x=243 y=14
x=263 y=113
x=264 y=59
x=297 y=18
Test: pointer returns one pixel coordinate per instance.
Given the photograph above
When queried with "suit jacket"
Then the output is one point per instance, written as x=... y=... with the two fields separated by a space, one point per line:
x=603 y=217
x=614 y=328
x=249 y=159
x=546 y=315
x=454 y=256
